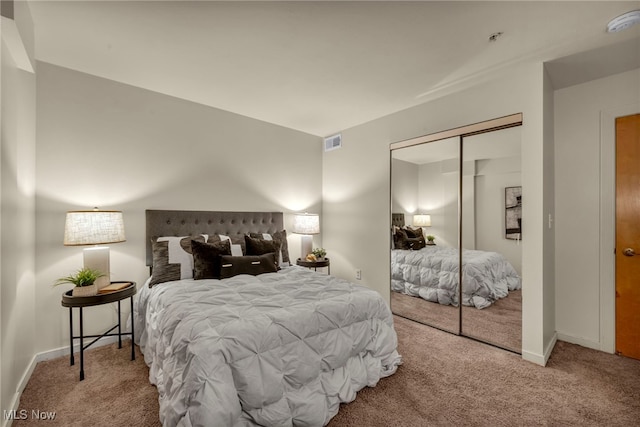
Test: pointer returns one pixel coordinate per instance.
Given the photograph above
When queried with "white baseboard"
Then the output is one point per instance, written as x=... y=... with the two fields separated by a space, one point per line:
x=584 y=342
x=550 y=346
x=541 y=359
x=536 y=358
x=64 y=351
x=40 y=357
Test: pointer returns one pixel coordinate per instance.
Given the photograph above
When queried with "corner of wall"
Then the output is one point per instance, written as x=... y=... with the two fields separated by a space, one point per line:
x=541 y=359
x=549 y=292
x=17 y=197
x=18 y=35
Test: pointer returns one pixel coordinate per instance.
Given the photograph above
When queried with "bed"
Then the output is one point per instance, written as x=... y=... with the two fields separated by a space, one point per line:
x=431 y=272
x=284 y=348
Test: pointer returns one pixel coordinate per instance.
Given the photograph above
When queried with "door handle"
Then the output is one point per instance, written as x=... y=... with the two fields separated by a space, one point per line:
x=629 y=252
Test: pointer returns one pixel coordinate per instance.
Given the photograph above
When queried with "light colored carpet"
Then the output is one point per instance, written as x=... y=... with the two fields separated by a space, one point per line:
x=445 y=380
x=115 y=392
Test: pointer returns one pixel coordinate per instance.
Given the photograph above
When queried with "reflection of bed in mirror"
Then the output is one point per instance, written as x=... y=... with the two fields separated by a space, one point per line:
x=431 y=273
x=458 y=177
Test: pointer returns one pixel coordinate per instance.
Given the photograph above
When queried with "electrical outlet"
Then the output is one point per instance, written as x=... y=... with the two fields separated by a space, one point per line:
x=358 y=274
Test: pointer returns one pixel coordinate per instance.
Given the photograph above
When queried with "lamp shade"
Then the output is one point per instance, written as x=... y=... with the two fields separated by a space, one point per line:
x=422 y=220
x=306 y=223
x=93 y=228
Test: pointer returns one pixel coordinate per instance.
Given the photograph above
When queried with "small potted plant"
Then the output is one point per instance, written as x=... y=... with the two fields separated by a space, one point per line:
x=84 y=281
x=320 y=253
x=430 y=240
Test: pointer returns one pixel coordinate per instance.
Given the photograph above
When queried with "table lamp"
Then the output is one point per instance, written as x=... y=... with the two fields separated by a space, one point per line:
x=306 y=224
x=422 y=220
x=95 y=227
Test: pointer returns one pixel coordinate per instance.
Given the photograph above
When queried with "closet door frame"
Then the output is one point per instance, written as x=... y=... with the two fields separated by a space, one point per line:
x=463 y=131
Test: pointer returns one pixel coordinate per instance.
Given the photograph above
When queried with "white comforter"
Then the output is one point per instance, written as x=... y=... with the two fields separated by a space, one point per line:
x=279 y=349
x=432 y=274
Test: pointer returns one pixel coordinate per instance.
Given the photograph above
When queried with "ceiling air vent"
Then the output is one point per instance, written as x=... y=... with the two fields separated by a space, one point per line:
x=333 y=142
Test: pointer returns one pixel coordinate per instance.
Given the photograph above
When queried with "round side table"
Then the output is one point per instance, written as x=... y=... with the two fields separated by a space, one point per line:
x=315 y=264
x=68 y=300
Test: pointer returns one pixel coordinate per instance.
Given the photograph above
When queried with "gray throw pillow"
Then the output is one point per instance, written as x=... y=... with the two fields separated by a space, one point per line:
x=165 y=269
x=162 y=271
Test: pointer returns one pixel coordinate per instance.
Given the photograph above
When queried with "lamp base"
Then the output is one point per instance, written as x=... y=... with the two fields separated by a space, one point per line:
x=306 y=245
x=97 y=258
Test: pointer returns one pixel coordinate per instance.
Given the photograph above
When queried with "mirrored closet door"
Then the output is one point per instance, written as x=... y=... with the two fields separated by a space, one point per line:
x=462 y=189
x=492 y=259
x=425 y=179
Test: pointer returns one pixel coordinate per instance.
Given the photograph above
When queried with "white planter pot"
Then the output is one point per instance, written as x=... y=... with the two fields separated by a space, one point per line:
x=85 y=291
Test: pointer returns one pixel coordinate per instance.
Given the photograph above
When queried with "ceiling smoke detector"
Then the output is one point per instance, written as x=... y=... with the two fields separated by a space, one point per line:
x=623 y=21
x=493 y=37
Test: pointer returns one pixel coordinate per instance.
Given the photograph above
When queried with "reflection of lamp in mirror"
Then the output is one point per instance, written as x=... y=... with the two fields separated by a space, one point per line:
x=306 y=224
x=422 y=220
x=95 y=227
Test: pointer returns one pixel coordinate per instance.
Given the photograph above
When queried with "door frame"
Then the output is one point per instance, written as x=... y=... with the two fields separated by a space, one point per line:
x=608 y=222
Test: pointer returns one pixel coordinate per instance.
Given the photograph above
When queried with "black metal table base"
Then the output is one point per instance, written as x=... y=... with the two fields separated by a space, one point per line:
x=108 y=333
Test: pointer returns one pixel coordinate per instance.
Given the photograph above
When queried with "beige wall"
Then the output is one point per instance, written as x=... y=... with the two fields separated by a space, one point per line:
x=584 y=156
x=438 y=197
x=356 y=186
x=17 y=220
x=106 y=144
x=405 y=184
x=492 y=177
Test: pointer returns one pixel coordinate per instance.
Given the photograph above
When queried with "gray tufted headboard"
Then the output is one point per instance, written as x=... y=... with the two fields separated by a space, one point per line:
x=193 y=223
x=397 y=219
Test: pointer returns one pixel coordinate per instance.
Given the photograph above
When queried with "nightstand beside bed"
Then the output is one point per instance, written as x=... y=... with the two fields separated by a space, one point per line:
x=315 y=264
x=70 y=301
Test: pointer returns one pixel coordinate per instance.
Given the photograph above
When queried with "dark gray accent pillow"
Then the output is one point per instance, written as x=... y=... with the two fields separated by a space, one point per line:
x=398 y=239
x=413 y=232
x=278 y=236
x=257 y=246
x=401 y=240
x=162 y=271
x=206 y=258
x=248 y=264
x=416 y=238
x=415 y=243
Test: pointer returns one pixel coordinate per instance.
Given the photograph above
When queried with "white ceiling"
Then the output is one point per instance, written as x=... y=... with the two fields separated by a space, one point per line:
x=318 y=67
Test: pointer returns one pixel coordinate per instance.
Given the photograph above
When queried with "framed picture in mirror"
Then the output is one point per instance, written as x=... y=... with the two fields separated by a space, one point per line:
x=513 y=213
